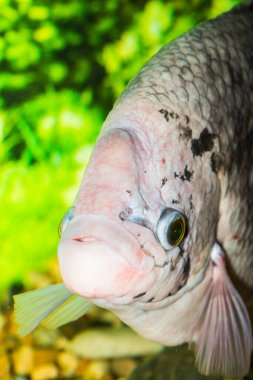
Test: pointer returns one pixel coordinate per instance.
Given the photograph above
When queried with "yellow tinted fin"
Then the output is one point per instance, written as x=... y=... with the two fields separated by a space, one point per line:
x=55 y=305
x=70 y=310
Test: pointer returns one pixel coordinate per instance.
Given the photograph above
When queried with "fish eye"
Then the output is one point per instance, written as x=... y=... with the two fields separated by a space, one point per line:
x=65 y=220
x=171 y=228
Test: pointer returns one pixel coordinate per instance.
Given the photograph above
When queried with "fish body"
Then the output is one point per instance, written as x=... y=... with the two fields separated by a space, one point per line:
x=165 y=204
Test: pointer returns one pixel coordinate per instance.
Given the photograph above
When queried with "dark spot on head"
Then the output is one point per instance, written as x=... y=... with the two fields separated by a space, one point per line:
x=174 y=115
x=163 y=161
x=186 y=132
x=203 y=144
x=168 y=115
x=174 y=201
x=151 y=299
x=139 y=295
x=186 y=176
x=165 y=113
x=187 y=119
x=169 y=294
x=164 y=180
x=129 y=192
x=235 y=237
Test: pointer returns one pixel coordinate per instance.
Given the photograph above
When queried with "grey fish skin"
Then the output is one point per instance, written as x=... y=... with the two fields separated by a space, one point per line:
x=205 y=79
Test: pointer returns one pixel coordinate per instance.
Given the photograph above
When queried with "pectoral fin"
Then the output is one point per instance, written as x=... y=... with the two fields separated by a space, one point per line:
x=54 y=306
x=222 y=331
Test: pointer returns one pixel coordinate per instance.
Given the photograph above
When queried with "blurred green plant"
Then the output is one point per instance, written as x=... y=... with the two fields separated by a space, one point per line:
x=33 y=201
x=48 y=127
x=62 y=66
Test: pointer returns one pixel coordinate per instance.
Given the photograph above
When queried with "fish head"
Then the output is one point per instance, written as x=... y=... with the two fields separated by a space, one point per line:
x=126 y=242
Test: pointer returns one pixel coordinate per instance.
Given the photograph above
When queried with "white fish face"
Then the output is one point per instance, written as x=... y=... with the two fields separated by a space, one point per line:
x=130 y=239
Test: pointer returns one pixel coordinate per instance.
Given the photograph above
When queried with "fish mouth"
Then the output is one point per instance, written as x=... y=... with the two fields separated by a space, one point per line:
x=86 y=238
x=100 y=259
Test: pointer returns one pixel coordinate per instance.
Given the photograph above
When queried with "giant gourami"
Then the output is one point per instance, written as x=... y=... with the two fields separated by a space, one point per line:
x=165 y=204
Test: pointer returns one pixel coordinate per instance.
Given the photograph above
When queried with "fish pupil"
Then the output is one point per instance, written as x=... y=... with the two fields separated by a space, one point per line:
x=176 y=231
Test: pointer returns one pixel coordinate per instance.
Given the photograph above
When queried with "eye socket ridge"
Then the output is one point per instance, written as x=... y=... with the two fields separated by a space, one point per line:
x=171 y=228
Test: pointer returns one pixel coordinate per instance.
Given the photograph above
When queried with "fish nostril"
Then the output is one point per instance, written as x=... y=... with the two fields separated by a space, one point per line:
x=85 y=238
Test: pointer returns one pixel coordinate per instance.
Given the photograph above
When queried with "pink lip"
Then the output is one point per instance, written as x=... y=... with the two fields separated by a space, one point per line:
x=86 y=238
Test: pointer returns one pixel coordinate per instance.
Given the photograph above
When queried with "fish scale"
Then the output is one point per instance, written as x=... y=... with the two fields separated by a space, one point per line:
x=208 y=62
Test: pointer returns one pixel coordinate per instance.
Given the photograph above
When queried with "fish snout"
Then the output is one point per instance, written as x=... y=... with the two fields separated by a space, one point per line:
x=101 y=259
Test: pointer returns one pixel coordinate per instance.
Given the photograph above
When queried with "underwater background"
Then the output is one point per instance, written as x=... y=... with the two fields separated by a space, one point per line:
x=62 y=66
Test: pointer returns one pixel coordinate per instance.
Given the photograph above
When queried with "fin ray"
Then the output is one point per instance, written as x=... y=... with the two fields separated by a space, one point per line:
x=72 y=309
x=55 y=305
x=222 y=329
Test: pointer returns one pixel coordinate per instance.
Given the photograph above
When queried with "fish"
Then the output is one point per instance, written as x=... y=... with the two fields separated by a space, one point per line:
x=161 y=230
